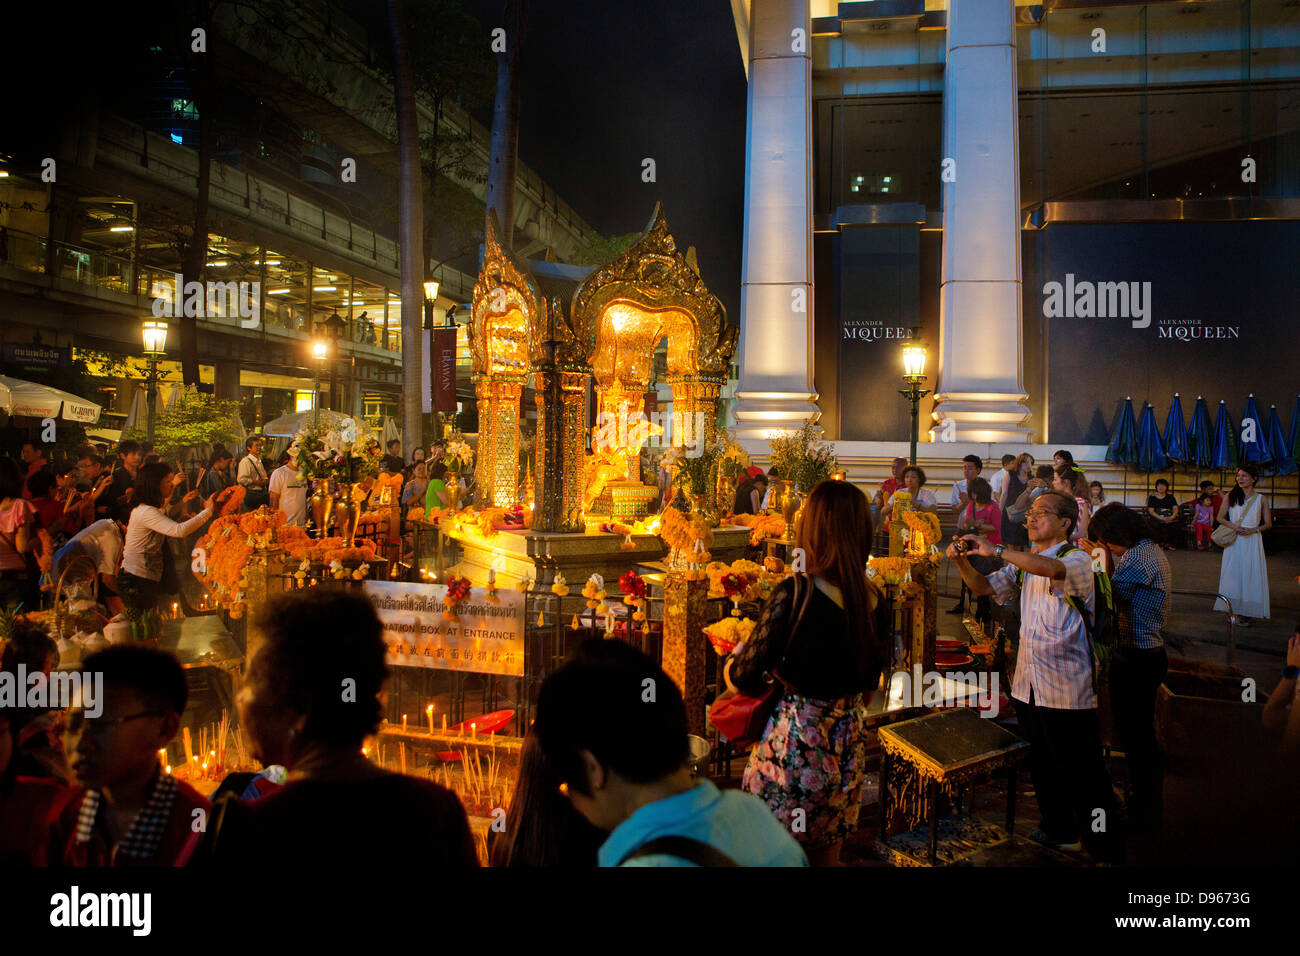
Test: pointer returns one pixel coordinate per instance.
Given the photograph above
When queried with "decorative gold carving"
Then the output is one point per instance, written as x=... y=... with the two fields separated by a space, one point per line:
x=685 y=603
x=653 y=290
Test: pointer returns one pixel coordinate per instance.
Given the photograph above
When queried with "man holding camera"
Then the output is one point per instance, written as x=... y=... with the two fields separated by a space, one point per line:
x=1054 y=685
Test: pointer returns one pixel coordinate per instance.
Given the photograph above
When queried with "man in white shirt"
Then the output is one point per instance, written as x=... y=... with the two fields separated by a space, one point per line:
x=289 y=492
x=1054 y=687
x=1000 y=479
x=102 y=543
x=971 y=466
x=252 y=474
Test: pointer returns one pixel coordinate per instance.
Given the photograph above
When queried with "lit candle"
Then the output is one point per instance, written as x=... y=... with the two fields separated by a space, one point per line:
x=473 y=731
x=176 y=610
x=403 y=723
x=444 y=723
x=429 y=711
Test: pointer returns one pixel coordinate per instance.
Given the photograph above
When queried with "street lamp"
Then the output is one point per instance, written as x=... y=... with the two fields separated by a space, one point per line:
x=914 y=376
x=430 y=297
x=154 y=334
x=320 y=351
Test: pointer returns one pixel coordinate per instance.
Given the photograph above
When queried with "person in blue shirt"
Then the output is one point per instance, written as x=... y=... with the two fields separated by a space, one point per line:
x=613 y=725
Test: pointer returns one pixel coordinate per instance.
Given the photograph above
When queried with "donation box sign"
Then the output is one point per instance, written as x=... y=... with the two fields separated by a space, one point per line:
x=487 y=638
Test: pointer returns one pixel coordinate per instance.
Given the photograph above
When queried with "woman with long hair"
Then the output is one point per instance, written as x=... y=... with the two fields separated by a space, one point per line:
x=1243 y=576
x=542 y=827
x=140 y=580
x=820 y=636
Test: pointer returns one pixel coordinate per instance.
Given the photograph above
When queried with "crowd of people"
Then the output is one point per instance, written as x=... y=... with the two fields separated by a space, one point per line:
x=618 y=791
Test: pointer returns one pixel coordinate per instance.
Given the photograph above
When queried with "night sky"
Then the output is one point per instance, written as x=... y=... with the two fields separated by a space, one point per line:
x=607 y=84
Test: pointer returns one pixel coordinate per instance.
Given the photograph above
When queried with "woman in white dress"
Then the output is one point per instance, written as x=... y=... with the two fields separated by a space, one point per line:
x=1243 y=577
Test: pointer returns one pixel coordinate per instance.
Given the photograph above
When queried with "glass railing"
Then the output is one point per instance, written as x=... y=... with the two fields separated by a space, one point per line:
x=102 y=270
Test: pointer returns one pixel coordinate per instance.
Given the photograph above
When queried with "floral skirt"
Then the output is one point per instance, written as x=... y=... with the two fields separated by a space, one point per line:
x=809 y=767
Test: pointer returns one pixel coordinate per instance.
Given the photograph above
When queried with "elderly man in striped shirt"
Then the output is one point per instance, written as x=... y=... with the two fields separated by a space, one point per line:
x=1054 y=685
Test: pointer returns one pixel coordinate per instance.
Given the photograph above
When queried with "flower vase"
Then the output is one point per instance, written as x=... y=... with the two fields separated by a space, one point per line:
x=699 y=504
x=785 y=497
x=322 y=505
x=452 y=481
x=725 y=493
x=346 y=513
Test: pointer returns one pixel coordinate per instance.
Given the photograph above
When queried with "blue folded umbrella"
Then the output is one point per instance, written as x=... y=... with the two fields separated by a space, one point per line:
x=1254 y=440
x=1293 y=442
x=1151 y=451
x=1224 y=452
x=1283 y=462
x=1123 y=447
x=1200 y=435
x=1176 y=433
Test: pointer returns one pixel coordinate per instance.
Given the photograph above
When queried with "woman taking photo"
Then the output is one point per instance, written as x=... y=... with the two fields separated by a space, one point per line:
x=820 y=635
x=141 y=577
x=1243 y=576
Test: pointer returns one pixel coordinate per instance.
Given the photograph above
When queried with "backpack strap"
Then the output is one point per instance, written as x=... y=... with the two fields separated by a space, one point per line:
x=684 y=848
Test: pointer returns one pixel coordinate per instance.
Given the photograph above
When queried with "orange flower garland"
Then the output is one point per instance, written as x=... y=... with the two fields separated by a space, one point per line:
x=682 y=532
x=231 y=500
x=457 y=590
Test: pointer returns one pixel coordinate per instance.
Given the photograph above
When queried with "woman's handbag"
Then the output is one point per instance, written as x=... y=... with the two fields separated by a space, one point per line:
x=1223 y=536
x=741 y=717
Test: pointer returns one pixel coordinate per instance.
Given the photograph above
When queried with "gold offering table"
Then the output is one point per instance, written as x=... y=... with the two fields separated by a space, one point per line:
x=515 y=555
x=942 y=754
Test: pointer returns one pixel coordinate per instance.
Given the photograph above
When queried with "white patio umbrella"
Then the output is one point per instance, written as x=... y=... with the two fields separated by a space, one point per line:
x=19 y=397
x=286 y=426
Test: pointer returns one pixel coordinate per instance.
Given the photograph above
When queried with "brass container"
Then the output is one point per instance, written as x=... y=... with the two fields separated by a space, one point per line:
x=346 y=513
x=788 y=500
x=322 y=505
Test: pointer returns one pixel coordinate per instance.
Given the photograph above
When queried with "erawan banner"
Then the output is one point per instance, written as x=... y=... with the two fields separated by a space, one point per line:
x=1150 y=309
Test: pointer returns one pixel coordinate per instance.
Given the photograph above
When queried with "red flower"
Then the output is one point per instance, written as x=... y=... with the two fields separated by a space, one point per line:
x=633 y=585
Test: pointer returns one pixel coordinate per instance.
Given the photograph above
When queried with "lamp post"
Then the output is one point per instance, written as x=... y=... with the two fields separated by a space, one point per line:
x=914 y=376
x=333 y=327
x=154 y=334
x=320 y=351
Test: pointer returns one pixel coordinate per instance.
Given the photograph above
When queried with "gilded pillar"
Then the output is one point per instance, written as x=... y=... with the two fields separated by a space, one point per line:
x=695 y=398
x=684 y=645
x=561 y=398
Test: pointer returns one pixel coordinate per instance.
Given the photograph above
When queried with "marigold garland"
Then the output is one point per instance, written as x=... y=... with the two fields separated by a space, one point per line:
x=762 y=526
x=924 y=524
x=231 y=499
x=682 y=532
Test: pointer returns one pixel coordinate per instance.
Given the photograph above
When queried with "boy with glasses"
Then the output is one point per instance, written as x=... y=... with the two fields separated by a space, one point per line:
x=131 y=813
x=1054 y=684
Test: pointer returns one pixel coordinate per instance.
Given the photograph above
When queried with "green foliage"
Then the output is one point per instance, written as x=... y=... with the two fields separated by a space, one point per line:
x=803 y=457
x=196 y=418
x=596 y=250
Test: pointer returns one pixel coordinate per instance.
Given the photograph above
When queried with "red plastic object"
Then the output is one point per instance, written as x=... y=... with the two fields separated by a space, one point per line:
x=952 y=660
x=450 y=756
x=948 y=645
x=484 y=723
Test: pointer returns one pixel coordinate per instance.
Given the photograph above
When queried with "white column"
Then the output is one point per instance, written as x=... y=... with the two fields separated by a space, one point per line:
x=980 y=353
x=775 y=389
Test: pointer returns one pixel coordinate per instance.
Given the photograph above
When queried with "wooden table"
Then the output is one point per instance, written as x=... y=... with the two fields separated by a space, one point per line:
x=946 y=751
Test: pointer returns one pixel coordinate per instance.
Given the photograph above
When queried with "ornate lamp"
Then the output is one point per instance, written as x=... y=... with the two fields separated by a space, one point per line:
x=914 y=376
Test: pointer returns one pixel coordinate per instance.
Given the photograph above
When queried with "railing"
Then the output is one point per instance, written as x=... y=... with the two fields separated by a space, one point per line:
x=1231 y=650
x=104 y=270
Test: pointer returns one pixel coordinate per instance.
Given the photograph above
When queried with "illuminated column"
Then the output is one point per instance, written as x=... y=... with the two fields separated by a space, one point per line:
x=496 y=472
x=561 y=398
x=775 y=389
x=695 y=398
x=979 y=387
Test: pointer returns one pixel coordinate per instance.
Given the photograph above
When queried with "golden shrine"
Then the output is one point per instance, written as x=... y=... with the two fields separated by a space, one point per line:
x=564 y=332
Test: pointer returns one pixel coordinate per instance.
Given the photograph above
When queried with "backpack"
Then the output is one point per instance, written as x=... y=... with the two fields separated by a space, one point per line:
x=1102 y=627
